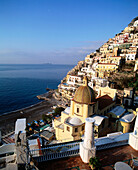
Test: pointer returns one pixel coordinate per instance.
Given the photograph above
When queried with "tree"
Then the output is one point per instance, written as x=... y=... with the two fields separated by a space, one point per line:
x=46 y=118
x=58 y=111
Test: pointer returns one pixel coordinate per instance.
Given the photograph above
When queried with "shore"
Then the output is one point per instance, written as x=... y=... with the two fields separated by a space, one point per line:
x=34 y=112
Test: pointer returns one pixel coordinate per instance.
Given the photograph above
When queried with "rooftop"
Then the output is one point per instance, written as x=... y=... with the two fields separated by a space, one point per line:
x=107 y=157
x=84 y=95
x=98 y=119
x=46 y=134
x=20 y=126
x=128 y=117
x=67 y=110
x=104 y=101
x=74 y=121
x=118 y=110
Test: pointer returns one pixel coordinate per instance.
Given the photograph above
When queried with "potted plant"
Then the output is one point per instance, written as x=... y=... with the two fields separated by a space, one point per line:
x=95 y=163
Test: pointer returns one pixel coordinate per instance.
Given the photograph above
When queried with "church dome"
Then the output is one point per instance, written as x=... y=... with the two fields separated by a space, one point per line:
x=84 y=95
x=67 y=110
x=75 y=121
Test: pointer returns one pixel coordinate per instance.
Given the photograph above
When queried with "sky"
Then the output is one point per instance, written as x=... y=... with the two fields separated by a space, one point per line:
x=59 y=31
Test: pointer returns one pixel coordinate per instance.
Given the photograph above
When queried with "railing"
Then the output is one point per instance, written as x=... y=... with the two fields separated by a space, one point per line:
x=111 y=145
x=67 y=149
x=55 y=152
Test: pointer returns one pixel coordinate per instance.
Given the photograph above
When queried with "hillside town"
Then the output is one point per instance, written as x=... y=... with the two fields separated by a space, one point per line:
x=117 y=97
x=97 y=110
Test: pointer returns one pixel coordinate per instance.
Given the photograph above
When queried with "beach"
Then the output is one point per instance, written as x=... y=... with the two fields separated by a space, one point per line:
x=34 y=112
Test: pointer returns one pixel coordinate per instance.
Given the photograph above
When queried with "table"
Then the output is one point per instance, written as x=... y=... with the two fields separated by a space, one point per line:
x=122 y=166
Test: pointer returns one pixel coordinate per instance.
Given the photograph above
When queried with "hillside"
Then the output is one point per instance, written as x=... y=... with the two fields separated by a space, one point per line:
x=115 y=61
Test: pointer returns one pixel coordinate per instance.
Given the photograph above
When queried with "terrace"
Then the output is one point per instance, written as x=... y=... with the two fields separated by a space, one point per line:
x=107 y=157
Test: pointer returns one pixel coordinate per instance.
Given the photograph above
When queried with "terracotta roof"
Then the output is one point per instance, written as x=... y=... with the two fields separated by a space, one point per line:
x=104 y=101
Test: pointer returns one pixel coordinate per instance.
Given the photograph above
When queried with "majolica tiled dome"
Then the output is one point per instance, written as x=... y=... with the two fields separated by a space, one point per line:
x=84 y=95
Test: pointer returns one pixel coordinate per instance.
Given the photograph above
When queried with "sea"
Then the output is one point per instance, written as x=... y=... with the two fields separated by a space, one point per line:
x=21 y=83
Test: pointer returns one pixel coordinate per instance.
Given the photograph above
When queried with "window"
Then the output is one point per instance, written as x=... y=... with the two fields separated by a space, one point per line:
x=77 y=110
x=103 y=123
x=93 y=108
x=82 y=127
x=76 y=129
x=68 y=128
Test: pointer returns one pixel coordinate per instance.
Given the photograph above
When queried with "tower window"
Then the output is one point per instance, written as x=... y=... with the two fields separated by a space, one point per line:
x=76 y=129
x=68 y=128
x=77 y=110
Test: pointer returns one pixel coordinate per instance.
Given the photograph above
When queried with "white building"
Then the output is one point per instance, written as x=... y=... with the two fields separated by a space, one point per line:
x=130 y=56
x=74 y=80
x=88 y=71
x=99 y=82
x=131 y=53
x=135 y=23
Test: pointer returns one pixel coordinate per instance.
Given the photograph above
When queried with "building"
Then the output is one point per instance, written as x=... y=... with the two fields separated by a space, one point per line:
x=126 y=122
x=97 y=82
x=89 y=59
x=101 y=125
x=105 y=69
x=123 y=119
x=70 y=126
x=47 y=135
x=111 y=59
x=128 y=98
x=104 y=48
x=106 y=90
x=74 y=80
x=135 y=23
x=121 y=38
x=131 y=54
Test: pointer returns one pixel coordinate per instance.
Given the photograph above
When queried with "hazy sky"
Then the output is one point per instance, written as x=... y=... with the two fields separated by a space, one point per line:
x=59 y=31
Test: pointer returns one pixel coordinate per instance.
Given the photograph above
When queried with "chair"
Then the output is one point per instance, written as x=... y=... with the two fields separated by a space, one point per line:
x=134 y=161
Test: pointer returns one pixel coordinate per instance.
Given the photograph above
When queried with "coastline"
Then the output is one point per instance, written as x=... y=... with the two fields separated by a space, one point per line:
x=47 y=94
x=19 y=110
x=33 y=112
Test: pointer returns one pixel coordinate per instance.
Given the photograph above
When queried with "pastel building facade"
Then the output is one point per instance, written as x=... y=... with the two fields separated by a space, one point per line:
x=106 y=90
x=105 y=69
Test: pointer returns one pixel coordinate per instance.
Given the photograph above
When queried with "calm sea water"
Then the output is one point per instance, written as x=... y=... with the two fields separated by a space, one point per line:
x=20 y=84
